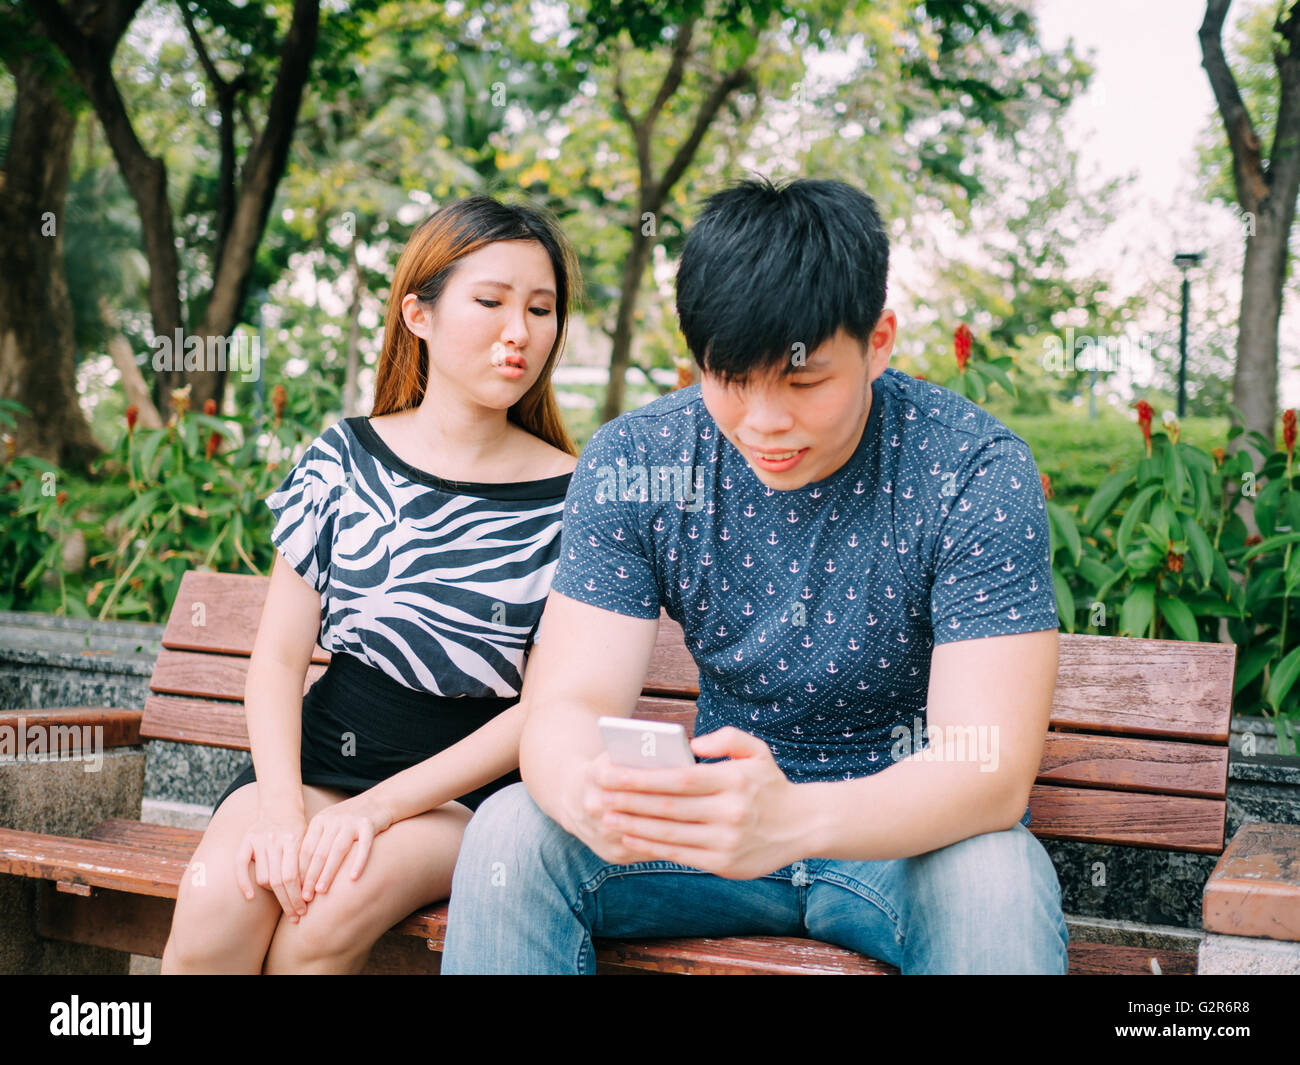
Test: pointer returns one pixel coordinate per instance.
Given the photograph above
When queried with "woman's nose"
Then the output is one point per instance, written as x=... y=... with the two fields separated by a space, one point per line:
x=515 y=330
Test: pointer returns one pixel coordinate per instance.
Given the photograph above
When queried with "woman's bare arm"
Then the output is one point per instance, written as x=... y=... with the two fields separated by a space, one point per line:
x=273 y=692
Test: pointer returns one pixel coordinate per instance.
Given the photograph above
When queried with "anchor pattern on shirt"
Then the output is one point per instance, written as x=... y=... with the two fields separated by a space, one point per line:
x=813 y=613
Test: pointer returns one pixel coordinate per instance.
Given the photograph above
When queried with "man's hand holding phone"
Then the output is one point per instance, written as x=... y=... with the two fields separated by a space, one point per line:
x=739 y=819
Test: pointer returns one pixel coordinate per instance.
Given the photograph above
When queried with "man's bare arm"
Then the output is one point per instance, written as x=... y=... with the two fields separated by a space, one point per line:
x=586 y=662
x=997 y=691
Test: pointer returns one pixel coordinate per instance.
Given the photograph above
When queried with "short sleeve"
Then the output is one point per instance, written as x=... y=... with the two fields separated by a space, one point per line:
x=305 y=506
x=603 y=561
x=993 y=563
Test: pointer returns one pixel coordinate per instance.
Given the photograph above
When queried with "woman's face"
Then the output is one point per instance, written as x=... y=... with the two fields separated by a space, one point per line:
x=493 y=326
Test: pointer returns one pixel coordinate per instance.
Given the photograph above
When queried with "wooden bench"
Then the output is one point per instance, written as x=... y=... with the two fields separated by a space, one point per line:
x=1137 y=755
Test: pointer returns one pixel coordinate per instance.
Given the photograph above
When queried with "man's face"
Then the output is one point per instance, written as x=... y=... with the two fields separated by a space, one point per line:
x=796 y=428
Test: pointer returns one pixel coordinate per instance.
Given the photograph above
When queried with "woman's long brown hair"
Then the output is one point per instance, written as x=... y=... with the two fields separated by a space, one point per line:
x=441 y=241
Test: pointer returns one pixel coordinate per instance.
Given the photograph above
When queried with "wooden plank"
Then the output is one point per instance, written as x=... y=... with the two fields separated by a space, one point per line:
x=1131 y=764
x=219 y=612
x=82 y=861
x=1165 y=822
x=1130 y=686
x=181 y=720
x=1168 y=688
x=163 y=839
x=209 y=676
x=1108 y=959
x=121 y=728
x=1255 y=887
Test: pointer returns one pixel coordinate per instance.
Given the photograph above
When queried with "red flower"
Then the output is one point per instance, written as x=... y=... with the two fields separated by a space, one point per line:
x=279 y=400
x=1174 y=562
x=1047 y=486
x=1288 y=433
x=209 y=406
x=132 y=415
x=1145 y=411
x=214 y=441
x=961 y=345
x=920 y=377
x=61 y=498
x=1218 y=454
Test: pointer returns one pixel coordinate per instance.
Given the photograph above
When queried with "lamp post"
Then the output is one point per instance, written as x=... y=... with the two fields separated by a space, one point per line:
x=1184 y=260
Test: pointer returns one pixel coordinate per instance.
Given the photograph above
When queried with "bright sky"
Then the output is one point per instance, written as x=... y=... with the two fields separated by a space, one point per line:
x=1144 y=113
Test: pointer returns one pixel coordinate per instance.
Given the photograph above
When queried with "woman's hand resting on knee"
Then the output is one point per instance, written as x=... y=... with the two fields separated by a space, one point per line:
x=331 y=835
x=272 y=843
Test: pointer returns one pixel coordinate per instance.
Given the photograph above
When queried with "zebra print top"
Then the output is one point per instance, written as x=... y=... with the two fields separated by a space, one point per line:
x=438 y=583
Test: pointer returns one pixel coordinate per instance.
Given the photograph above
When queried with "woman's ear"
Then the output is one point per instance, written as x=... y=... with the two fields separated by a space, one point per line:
x=417 y=315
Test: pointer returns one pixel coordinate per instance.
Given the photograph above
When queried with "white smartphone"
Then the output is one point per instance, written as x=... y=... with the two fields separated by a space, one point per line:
x=641 y=744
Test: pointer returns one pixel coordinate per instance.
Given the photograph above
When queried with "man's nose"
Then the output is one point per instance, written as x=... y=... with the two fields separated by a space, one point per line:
x=766 y=414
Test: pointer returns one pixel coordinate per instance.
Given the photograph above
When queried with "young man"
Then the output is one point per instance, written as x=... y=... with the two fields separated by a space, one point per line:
x=860 y=563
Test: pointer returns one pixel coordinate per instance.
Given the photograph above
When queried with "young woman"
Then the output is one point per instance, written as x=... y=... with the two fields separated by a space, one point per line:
x=418 y=544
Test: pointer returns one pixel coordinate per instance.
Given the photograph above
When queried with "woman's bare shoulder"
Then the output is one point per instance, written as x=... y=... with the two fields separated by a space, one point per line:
x=545 y=460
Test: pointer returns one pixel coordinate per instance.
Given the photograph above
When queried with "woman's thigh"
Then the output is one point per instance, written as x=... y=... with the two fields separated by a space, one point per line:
x=210 y=899
x=409 y=866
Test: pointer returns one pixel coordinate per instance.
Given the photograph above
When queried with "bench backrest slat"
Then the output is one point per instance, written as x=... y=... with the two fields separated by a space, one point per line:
x=1137 y=752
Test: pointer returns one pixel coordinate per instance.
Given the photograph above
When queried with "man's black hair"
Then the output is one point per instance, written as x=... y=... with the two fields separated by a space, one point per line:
x=766 y=268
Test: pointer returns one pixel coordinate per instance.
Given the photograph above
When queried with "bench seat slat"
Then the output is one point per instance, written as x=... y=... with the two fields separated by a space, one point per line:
x=86 y=861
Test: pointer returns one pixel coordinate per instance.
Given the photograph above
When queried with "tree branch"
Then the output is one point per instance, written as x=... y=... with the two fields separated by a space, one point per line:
x=1244 y=142
x=262 y=169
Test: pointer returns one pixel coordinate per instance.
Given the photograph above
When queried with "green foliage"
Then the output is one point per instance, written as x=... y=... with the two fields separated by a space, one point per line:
x=160 y=502
x=1160 y=551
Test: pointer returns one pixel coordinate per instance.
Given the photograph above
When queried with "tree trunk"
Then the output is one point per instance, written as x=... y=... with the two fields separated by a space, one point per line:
x=133 y=382
x=350 y=398
x=629 y=293
x=1254 y=384
x=37 y=347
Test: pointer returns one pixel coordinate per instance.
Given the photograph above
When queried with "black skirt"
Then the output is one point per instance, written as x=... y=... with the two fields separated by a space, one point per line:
x=359 y=727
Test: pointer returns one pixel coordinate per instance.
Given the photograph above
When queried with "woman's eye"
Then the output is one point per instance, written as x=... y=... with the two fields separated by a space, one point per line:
x=541 y=312
x=489 y=303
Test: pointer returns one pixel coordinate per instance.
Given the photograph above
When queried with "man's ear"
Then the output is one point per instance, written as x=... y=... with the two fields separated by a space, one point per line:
x=881 y=343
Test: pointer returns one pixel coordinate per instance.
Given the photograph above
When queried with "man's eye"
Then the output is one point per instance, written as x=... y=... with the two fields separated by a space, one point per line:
x=806 y=384
x=489 y=303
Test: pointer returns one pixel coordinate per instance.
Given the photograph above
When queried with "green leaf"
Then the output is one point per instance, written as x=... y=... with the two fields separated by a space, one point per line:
x=1173 y=468
x=1062 y=523
x=1271 y=544
x=1202 y=551
x=1064 y=600
x=1094 y=572
x=1283 y=678
x=981 y=393
x=1266 y=507
x=1134 y=514
x=1251 y=664
x=999 y=375
x=181 y=489
x=1138 y=609
x=1179 y=617
x=1103 y=500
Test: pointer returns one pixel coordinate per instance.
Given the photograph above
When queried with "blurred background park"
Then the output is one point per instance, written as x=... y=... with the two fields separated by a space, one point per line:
x=1089 y=209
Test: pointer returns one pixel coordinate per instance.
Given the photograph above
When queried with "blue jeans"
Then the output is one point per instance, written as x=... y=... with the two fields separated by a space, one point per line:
x=528 y=897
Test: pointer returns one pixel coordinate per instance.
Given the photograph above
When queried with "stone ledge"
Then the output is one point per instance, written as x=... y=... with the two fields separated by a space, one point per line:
x=1243 y=956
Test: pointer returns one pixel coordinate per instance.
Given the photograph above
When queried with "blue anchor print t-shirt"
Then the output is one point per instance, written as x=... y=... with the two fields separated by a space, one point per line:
x=812 y=613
